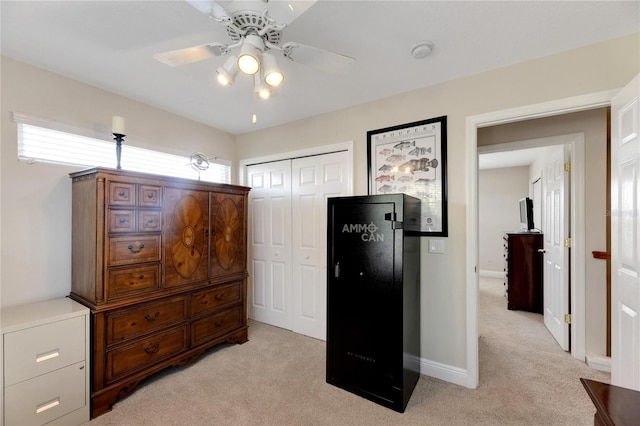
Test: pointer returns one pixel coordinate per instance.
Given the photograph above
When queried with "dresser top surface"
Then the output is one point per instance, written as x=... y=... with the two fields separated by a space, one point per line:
x=141 y=175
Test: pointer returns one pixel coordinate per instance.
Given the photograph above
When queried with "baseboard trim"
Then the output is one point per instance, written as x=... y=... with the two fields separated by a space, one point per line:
x=448 y=373
x=599 y=362
x=491 y=274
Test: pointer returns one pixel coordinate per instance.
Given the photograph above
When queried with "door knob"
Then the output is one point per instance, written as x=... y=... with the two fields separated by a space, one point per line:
x=542 y=250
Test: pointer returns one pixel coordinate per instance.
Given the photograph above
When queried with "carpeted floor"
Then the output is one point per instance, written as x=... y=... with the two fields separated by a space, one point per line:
x=278 y=378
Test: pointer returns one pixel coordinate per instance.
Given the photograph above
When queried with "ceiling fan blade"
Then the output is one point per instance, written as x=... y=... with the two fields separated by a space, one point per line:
x=282 y=11
x=285 y=12
x=323 y=60
x=209 y=7
x=192 y=54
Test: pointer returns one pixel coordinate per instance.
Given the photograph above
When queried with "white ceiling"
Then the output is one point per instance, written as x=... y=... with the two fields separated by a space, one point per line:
x=516 y=158
x=110 y=44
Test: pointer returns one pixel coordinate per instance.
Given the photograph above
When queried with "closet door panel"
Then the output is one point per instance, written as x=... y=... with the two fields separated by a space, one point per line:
x=270 y=243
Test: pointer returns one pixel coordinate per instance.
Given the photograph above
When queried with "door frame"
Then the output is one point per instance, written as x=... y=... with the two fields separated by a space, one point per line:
x=528 y=112
x=308 y=152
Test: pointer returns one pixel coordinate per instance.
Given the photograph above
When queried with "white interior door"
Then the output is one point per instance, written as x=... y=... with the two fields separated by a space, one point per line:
x=269 y=283
x=314 y=179
x=556 y=272
x=625 y=237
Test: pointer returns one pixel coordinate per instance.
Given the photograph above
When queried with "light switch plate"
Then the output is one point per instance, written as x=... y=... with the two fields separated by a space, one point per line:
x=436 y=246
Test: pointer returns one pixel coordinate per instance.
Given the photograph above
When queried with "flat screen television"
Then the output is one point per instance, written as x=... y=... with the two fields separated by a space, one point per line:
x=526 y=213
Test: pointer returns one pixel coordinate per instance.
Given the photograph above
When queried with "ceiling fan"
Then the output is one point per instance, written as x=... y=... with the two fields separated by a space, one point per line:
x=255 y=31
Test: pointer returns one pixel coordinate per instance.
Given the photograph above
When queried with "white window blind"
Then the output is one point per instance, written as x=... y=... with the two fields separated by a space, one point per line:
x=38 y=144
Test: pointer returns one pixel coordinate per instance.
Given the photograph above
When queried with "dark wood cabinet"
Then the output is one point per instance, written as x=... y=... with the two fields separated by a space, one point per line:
x=524 y=270
x=615 y=406
x=161 y=263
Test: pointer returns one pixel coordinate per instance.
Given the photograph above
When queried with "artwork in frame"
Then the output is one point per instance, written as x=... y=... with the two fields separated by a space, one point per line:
x=412 y=159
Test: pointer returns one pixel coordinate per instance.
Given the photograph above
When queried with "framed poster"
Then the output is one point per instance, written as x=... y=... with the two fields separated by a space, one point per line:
x=412 y=159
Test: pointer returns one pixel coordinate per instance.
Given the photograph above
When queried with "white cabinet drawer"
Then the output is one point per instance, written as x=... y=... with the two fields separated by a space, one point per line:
x=46 y=398
x=38 y=350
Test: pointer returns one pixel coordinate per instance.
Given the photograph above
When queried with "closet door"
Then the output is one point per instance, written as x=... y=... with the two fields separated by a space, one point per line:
x=269 y=284
x=314 y=179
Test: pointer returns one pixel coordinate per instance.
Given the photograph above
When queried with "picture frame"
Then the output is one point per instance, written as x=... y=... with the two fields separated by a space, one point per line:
x=411 y=158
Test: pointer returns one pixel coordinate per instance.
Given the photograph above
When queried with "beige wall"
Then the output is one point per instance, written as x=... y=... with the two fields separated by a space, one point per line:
x=499 y=191
x=595 y=68
x=36 y=199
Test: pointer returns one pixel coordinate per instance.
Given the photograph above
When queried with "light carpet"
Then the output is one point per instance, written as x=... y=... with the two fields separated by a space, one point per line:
x=278 y=378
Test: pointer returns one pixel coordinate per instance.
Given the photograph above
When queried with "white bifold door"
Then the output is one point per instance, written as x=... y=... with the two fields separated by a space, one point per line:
x=288 y=236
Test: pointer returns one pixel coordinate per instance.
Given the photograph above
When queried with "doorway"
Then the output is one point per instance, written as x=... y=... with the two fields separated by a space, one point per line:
x=509 y=172
x=474 y=123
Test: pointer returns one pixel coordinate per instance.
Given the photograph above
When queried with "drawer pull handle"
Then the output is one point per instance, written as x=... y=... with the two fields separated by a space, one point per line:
x=152 y=318
x=152 y=349
x=135 y=250
x=48 y=355
x=219 y=323
x=150 y=195
x=141 y=277
x=121 y=193
x=219 y=296
x=123 y=220
x=47 y=405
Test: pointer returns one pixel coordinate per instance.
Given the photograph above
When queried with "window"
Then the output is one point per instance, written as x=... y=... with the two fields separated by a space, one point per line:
x=39 y=144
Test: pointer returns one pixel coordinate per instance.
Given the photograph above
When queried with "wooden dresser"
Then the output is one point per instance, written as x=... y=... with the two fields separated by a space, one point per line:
x=524 y=271
x=161 y=263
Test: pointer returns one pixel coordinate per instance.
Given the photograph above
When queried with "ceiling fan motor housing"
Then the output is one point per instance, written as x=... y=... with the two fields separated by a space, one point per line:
x=248 y=21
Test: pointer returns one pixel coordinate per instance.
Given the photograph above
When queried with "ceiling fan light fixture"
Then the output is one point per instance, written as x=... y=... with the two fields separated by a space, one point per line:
x=263 y=91
x=273 y=76
x=249 y=59
x=227 y=72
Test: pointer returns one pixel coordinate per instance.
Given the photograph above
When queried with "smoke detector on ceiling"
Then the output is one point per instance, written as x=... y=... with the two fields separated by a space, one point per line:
x=422 y=49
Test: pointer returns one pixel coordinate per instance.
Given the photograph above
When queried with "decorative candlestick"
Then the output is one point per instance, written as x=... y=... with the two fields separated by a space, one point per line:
x=118 y=138
x=118 y=131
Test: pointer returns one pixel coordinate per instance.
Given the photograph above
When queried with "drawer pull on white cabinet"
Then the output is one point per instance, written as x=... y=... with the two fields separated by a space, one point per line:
x=48 y=355
x=47 y=405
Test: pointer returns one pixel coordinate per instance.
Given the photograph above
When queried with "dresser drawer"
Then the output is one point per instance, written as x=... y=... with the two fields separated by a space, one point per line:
x=149 y=196
x=38 y=350
x=214 y=298
x=128 y=250
x=122 y=194
x=149 y=221
x=130 y=323
x=125 y=221
x=47 y=397
x=215 y=325
x=133 y=281
x=121 y=221
x=146 y=352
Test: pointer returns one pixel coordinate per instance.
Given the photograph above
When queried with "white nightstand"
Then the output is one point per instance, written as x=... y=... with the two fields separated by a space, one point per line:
x=46 y=363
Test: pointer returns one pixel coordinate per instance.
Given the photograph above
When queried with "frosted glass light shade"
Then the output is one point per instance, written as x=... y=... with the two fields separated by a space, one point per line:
x=249 y=59
x=272 y=74
x=227 y=73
